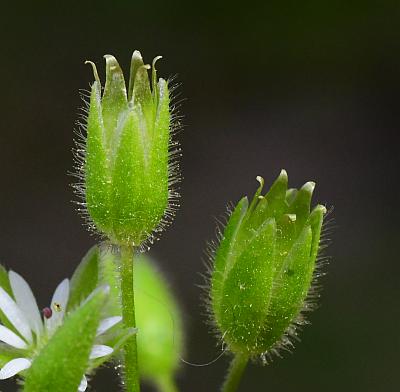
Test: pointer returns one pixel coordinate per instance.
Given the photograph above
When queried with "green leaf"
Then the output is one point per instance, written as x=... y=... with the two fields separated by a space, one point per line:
x=85 y=278
x=5 y=284
x=159 y=323
x=5 y=281
x=61 y=364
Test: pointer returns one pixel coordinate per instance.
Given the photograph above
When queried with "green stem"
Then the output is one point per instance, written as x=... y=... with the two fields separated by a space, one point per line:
x=167 y=384
x=128 y=315
x=235 y=373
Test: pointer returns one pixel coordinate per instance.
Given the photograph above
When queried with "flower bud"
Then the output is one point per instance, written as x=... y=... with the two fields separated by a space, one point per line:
x=263 y=268
x=126 y=160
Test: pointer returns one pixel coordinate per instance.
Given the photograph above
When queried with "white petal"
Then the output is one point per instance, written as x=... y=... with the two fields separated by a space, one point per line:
x=99 y=351
x=14 y=315
x=26 y=301
x=83 y=385
x=108 y=323
x=13 y=367
x=12 y=339
x=58 y=305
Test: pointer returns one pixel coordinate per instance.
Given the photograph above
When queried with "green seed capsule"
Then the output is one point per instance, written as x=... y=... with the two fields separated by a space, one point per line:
x=127 y=159
x=263 y=268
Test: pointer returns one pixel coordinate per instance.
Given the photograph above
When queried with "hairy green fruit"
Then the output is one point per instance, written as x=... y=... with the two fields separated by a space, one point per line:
x=263 y=268
x=125 y=160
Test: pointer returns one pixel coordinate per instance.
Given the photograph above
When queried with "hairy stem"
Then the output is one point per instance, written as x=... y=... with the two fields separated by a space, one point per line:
x=128 y=314
x=235 y=373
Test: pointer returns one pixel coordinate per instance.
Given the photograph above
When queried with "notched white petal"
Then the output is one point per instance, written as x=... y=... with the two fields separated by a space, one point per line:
x=9 y=337
x=99 y=351
x=26 y=301
x=108 y=323
x=58 y=305
x=83 y=385
x=14 y=315
x=13 y=367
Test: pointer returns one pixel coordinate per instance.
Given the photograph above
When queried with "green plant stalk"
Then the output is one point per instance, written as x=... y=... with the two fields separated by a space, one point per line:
x=235 y=373
x=128 y=314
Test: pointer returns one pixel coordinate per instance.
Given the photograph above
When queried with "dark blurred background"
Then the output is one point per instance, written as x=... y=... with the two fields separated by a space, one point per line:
x=309 y=86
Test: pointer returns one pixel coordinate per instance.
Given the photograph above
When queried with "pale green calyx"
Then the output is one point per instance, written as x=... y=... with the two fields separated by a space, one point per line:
x=263 y=269
x=126 y=159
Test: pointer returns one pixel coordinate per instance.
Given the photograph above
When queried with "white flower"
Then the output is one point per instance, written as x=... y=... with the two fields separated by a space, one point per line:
x=30 y=330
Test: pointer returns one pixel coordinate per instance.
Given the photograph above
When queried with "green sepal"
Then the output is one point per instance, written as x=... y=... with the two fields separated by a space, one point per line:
x=158 y=154
x=154 y=83
x=97 y=175
x=85 y=278
x=129 y=194
x=141 y=88
x=257 y=217
x=291 y=195
x=315 y=220
x=246 y=291
x=64 y=360
x=136 y=63
x=276 y=196
x=286 y=229
x=143 y=101
x=160 y=135
x=291 y=285
x=224 y=256
x=301 y=204
x=114 y=102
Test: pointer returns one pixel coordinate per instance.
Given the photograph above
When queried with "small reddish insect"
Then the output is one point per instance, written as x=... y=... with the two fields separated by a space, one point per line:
x=47 y=313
